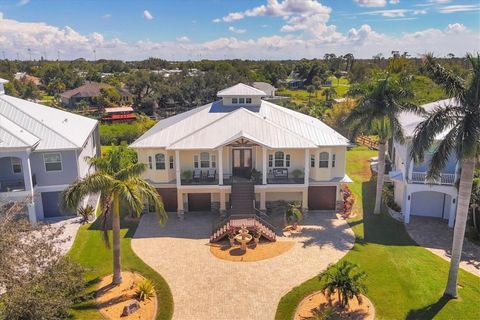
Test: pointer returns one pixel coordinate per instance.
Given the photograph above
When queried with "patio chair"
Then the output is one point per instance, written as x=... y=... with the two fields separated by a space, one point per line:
x=211 y=174
x=197 y=175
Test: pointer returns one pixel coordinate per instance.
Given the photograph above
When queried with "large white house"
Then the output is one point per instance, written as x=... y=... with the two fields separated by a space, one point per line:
x=413 y=192
x=241 y=154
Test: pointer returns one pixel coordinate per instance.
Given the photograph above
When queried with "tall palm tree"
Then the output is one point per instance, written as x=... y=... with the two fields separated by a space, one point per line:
x=382 y=100
x=117 y=179
x=459 y=122
x=329 y=93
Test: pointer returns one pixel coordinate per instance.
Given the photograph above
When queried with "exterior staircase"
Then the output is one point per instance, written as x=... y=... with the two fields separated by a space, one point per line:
x=243 y=212
x=242 y=198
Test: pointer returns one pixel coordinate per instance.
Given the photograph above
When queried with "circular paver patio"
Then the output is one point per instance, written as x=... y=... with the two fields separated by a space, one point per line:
x=205 y=287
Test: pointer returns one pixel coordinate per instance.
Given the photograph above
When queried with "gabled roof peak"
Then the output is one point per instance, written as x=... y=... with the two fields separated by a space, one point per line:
x=241 y=89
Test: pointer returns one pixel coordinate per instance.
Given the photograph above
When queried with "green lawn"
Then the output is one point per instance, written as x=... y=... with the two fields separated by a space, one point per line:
x=301 y=96
x=105 y=149
x=91 y=253
x=404 y=281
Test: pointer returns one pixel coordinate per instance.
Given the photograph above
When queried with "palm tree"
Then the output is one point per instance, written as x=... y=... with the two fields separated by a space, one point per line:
x=329 y=93
x=345 y=279
x=383 y=100
x=117 y=179
x=459 y=122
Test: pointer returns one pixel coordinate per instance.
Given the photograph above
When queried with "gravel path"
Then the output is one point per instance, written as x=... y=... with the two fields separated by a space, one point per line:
x=205 y=287
x=71 y=226
x=436 y=236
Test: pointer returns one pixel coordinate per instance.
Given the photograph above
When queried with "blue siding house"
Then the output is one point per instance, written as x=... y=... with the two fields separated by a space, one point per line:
x=42 y=151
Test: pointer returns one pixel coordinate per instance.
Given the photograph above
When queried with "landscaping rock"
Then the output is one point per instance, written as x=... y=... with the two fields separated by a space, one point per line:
x=130 y=308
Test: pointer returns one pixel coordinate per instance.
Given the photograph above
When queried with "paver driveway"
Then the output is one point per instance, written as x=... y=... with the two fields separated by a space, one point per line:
x=205 y=287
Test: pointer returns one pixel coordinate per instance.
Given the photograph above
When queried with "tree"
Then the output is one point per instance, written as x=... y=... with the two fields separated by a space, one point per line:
x=117 y=179
x=329 y=93
x=386 y=98
x=311 y=90
x=344 y=279
x=459 y=122
x=39 y=283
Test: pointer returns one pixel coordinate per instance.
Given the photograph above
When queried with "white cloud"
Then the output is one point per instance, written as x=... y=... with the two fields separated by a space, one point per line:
x=439 y=1
x=106 y=16
x=217 y=20
x=235 y=30
x=416 y=12
x=147 y=15
x=455 y=28
x=1 y=15
x=363 y=42
x=371 y=3
x=22 y=2
x=459 y=8
x=392 y=13
x=394 y=1
x=183 y=39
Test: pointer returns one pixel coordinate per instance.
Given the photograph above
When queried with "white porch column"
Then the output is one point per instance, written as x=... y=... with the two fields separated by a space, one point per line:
x=410 y=170
x=307 y=167
x=180 y=207
x=305 y=200
x=453 y=212
x=220 y=171
x=263 y=200
x=177 y=169
x=223 y=206
x=264 y=165
x=28 y=181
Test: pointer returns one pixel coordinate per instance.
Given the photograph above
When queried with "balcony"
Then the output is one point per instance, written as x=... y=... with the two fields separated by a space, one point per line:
x=445 y=178
x=12 y=185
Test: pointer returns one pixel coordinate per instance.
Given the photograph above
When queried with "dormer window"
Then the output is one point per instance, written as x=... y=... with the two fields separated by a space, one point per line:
x=248 y=100
x=234 y=100
x=241 y=100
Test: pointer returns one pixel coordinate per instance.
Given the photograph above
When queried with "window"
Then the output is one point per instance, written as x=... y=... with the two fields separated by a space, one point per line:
x=204 y=160
x=213 y=161
x=279 y=155
x=170 y=160
x=270 y=160
x=16 y=165
x=160 y=161
x=150 y=162
x=287 y=161
x=234 y=100
x=323 y=160
x=53 y=161
x=195 y=161
x=312 y=160
x=333 y=161
x=241 y=100
x=248 y=100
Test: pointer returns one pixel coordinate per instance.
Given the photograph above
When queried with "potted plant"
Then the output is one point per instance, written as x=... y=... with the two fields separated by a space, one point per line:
x=256 y=175
x=187 y=175
x=257 y=233
x=87 y=213
x=297 y=173
x=293 y=214
x=231 y=236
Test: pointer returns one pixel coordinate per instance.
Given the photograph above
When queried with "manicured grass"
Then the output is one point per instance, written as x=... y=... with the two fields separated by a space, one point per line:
x=90 y=251
x=301 y=96
x=404 y=281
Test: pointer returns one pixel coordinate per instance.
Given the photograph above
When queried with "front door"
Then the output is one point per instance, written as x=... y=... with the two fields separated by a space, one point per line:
x=242 y=163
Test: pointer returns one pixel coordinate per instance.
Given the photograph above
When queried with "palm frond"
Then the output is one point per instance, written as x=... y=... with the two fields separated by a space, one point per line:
x=129 y=192
x=134 y=170
x=451 y=83
x=440 y=156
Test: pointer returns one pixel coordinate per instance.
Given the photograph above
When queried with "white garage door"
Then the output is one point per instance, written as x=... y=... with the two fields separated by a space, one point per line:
x=428 y=204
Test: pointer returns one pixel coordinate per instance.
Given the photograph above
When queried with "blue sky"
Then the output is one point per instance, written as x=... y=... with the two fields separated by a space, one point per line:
x=192 y=29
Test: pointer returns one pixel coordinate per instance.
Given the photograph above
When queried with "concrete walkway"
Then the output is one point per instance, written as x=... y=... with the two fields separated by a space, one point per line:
x=70 y=227
x=205 y=287
x=436 y=236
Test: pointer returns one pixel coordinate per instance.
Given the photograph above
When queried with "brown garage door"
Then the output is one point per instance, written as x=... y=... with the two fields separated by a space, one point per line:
x=321 y=198
x=169 y=197
x=199 y=202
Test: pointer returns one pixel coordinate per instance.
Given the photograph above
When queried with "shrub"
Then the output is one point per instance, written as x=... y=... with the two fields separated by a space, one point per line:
x=388 y=197
x=297 y=173
x=146 y=290
x=187 y=174
x=87 y=213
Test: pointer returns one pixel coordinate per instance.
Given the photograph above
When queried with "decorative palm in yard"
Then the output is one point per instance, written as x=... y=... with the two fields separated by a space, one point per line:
x=380 y=104
x=344 y=279
x=461 y=122
x=117 y=179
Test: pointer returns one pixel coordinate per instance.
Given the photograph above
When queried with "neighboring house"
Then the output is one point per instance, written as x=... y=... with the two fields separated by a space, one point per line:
x=265 y=87
x=88 y=92
x=25 y=78
x=241 y=150
x=413 y=192
x=42 y=151
x=296 y=84
x=119 y=114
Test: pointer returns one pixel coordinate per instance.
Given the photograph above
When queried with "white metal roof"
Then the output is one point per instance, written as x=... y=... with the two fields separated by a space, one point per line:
x=241 y=89
x=409 y=120
x=31 y=123
x=214 y=124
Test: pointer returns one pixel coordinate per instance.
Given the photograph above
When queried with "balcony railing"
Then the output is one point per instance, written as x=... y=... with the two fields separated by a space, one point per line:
x=12 y=185
x=445 y=178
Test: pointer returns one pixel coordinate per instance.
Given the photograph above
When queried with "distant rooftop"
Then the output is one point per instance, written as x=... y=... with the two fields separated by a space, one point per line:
x=241 y=89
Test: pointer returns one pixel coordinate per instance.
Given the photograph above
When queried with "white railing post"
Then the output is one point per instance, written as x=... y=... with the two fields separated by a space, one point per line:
x=307 y=167
x=264 y=165
x=220 y=166
x=177 y=167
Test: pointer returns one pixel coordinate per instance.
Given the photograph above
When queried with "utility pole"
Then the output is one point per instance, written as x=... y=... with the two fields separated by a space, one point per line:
x=30 y=53
x=94 y=55
x=58 y=55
